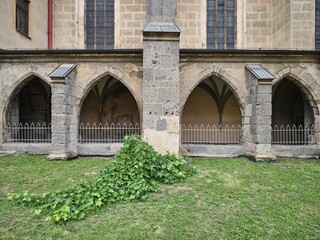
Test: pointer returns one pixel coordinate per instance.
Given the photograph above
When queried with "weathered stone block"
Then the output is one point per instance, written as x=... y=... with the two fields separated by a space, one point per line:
x=161 y=124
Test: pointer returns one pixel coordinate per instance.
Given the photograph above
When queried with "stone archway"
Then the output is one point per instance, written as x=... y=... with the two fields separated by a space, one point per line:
x=92 y=79
x=212 y=102
x=213 y=111
x=290 y=105
x=219 y=73
x=109 y=101
x=304 y=80
x=294 y=108
x=107 y=108
x=27 y=114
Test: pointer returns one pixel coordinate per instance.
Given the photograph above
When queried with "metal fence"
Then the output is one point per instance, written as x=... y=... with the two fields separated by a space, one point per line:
x=28 y=133
x=106 y=133
x=211 y=135
x=293 y=135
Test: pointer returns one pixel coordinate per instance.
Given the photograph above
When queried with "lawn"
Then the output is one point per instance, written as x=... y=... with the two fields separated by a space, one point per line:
x=225 y=199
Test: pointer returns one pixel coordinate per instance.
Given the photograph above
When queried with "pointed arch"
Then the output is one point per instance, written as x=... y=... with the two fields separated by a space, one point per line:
x=227 y=77
x=92 y=79
x=19 y=78
x=304 y=80
x=213 y=99
x=105 y=82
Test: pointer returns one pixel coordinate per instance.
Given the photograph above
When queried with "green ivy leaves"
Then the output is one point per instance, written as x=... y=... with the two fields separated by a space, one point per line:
x=136 y=170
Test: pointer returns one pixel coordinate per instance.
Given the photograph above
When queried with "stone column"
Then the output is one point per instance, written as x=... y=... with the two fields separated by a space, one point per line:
x=161 y=121
x=63 y=124
x=259 y=89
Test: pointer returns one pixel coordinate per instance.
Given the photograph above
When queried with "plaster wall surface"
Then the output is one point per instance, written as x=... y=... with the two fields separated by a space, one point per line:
x=10 y=38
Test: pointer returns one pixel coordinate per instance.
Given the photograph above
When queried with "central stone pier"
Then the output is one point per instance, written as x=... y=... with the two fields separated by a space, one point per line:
x=161 y=111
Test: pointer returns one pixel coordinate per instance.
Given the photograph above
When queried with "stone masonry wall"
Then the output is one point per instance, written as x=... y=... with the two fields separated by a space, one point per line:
x=258 y=24
x=274 y=24
x=281 y=15
x=68 y=24
x=191 y=19
x=130 y=20
x=302 y=24
x=194 y=68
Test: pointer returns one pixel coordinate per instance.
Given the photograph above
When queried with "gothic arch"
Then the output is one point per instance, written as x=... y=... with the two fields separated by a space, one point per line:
x=21 y=78
x=225 y=76
x=92 y=79
x=307 y=84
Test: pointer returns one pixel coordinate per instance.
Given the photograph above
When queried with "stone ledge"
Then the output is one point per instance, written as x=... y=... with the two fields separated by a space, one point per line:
x=161 y=32
x=210 y=151
x=7 y=153
x=62 y=155
x=261 y=157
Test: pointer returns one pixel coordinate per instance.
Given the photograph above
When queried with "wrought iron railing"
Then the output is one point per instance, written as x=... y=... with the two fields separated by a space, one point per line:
x=106 y=133
x=211 y=135
x=28 y=133
x=293 y=135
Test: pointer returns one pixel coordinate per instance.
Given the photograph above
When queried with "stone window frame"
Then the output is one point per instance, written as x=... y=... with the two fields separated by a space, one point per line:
x=221 y=24
x=99 y=24
x=22 y=16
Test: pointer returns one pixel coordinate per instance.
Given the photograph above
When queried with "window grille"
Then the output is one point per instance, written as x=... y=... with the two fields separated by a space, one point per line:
x=221 y=24
x=22 y=16
x=106 y=133
x=211 y=135
x=28 y=133
x=317 y=24
x=293 y=135
x=99 y=24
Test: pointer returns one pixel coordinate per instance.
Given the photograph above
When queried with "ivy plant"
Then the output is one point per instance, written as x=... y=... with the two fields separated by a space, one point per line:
x=136 y=170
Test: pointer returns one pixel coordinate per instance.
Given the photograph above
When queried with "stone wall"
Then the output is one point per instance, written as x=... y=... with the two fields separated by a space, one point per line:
x=265 y=24
x=127 y=68
x=258 y=24
x=302 y=24
x=191 y=19
x=281 y=29
x=68 y=24
x=129 y=22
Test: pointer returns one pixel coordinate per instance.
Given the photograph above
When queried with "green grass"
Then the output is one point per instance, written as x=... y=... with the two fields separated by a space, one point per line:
x=225 y=199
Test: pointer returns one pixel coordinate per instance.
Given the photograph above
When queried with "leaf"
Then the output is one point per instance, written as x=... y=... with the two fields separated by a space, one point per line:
x=37 y=212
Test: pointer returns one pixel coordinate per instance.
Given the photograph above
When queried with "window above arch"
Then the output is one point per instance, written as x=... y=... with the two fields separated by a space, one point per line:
x=99 y=20
x=221 y=24
x=22 y=16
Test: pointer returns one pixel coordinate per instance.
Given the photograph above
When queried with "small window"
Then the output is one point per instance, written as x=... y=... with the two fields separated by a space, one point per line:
x=22 y=16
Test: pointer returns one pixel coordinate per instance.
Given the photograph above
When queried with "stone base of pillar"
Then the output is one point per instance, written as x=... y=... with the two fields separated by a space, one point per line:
x=163 y=142
x=261 y=157
x=62 y=155
x=261 y=154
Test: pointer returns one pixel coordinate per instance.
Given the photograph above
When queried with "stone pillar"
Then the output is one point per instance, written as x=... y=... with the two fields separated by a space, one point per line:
x=63 y=124
x=161 y=111
x=259 y=89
